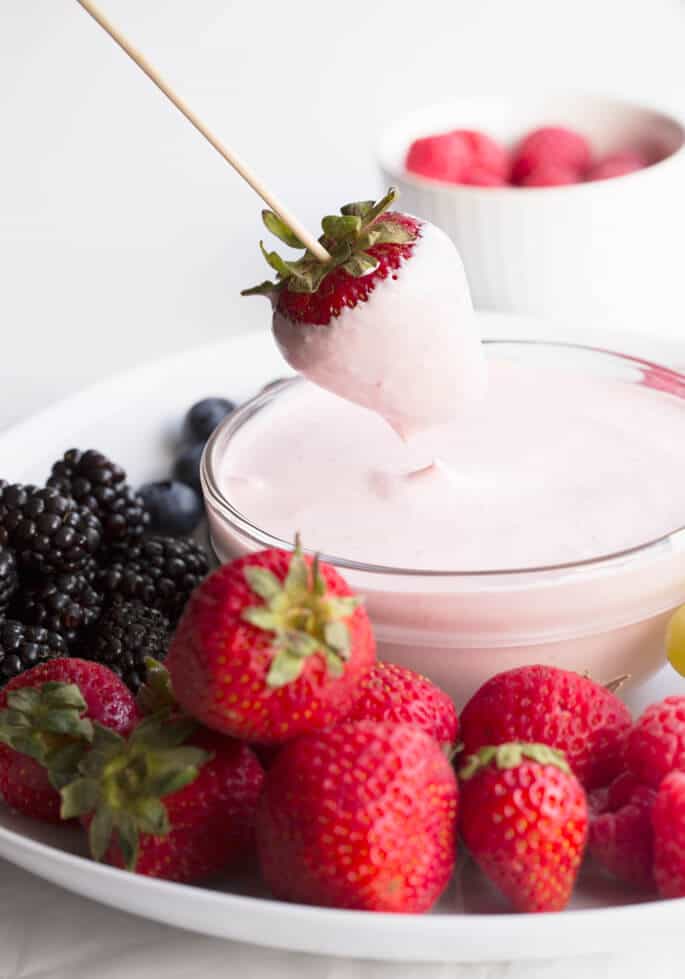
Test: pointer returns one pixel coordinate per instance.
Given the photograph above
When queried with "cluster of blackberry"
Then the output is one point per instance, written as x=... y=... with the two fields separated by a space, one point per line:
x=80 y=575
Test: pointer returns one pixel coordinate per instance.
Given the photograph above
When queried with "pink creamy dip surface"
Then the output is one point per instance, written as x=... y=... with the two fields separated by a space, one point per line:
x=553 y=466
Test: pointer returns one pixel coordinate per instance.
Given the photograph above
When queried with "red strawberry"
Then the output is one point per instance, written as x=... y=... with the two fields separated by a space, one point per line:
x=341 y=288
x=456 y=155
x=400 y=696
x=171 y=801
x=546 y=705
x=524 y=819
x=668 y=821
x=656 y=744
x=620 y=837
x=362 y=816
x=550 y=146
x=616 y=165
x=269 y=647
x=46 y=717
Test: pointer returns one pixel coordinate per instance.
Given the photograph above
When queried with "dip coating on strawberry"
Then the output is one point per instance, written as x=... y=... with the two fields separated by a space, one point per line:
x=46 y=719
x=271 y=646
x=362 y=816
x=387 y=323
x=401 y=696
x=550 y=706
x=524 y=819
x=172 y=801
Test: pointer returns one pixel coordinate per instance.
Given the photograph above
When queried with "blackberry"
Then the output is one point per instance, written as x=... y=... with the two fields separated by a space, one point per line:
x=23 y=646
x=9 y=579
x=96 y=482
x=160 y=571
x=49 y=533
x=123 y=639
x=66 y=604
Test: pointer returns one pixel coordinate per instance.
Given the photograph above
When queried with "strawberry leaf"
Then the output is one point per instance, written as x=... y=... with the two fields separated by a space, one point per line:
x=360 y=264
x=339 y=228
x=261 y=617
x=285 y=668
x=358 y=208
x=100 y=833
x=337 y=636
x=263 y=582
x=280 y=229
x=266 y=288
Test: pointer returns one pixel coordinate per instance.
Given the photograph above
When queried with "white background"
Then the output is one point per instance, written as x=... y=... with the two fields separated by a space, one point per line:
x=124 y=237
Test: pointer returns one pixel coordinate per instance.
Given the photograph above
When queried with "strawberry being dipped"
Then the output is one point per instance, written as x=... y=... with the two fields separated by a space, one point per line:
x=362 y=817
x=387 y=322
x=271 y=646
x=46 y=723
x=524 y=819
x=171 y=801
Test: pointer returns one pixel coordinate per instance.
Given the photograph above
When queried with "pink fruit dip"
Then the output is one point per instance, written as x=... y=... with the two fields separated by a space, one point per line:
x=411 y=352
x=553 y=467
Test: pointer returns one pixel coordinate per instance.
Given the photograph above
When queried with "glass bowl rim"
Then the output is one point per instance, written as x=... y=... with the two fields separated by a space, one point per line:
x=216 y=500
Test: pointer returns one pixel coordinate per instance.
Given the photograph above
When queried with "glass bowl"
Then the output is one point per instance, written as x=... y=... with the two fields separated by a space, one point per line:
x=605 y=615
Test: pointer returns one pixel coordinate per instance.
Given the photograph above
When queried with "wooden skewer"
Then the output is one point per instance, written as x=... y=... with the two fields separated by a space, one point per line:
x=315 y=247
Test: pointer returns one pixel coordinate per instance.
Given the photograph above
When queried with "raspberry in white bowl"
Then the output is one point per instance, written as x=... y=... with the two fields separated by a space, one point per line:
x=574 y=237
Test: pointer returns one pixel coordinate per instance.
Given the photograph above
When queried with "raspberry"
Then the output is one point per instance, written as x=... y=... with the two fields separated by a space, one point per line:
x=463 y=156
x=550 y=146
x=621 y=839
x=550 y=175
x=656 y=745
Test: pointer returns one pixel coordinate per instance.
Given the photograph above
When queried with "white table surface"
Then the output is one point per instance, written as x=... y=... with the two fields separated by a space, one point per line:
x=122 y=236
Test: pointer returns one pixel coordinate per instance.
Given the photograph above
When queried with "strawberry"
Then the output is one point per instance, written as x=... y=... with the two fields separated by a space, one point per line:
x=620 y=838
x=341 y=322
x=656 y=744
x=546 y=705
x=171 y=801
x=367 y=244
x=668 y=822
x=616 y=165
x=269 y=647
x=524 y=819
x=46 y=716
x=400 y=696
x=550 y=146
x=362 y=816
x=457 y=157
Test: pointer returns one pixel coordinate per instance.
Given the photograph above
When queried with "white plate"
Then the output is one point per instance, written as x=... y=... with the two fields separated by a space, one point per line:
x=135 y=417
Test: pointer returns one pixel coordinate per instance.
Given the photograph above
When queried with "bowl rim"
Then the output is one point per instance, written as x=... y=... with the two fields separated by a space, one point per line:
x=388 y=137
x=218 y=502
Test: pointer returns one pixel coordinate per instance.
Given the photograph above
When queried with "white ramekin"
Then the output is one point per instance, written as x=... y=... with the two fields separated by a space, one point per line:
x=606 y=615
x=611 y=248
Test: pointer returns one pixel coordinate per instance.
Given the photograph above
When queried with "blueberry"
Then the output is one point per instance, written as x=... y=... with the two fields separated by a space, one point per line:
x=203 y=418
x=175 y=509
x=187 y=466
